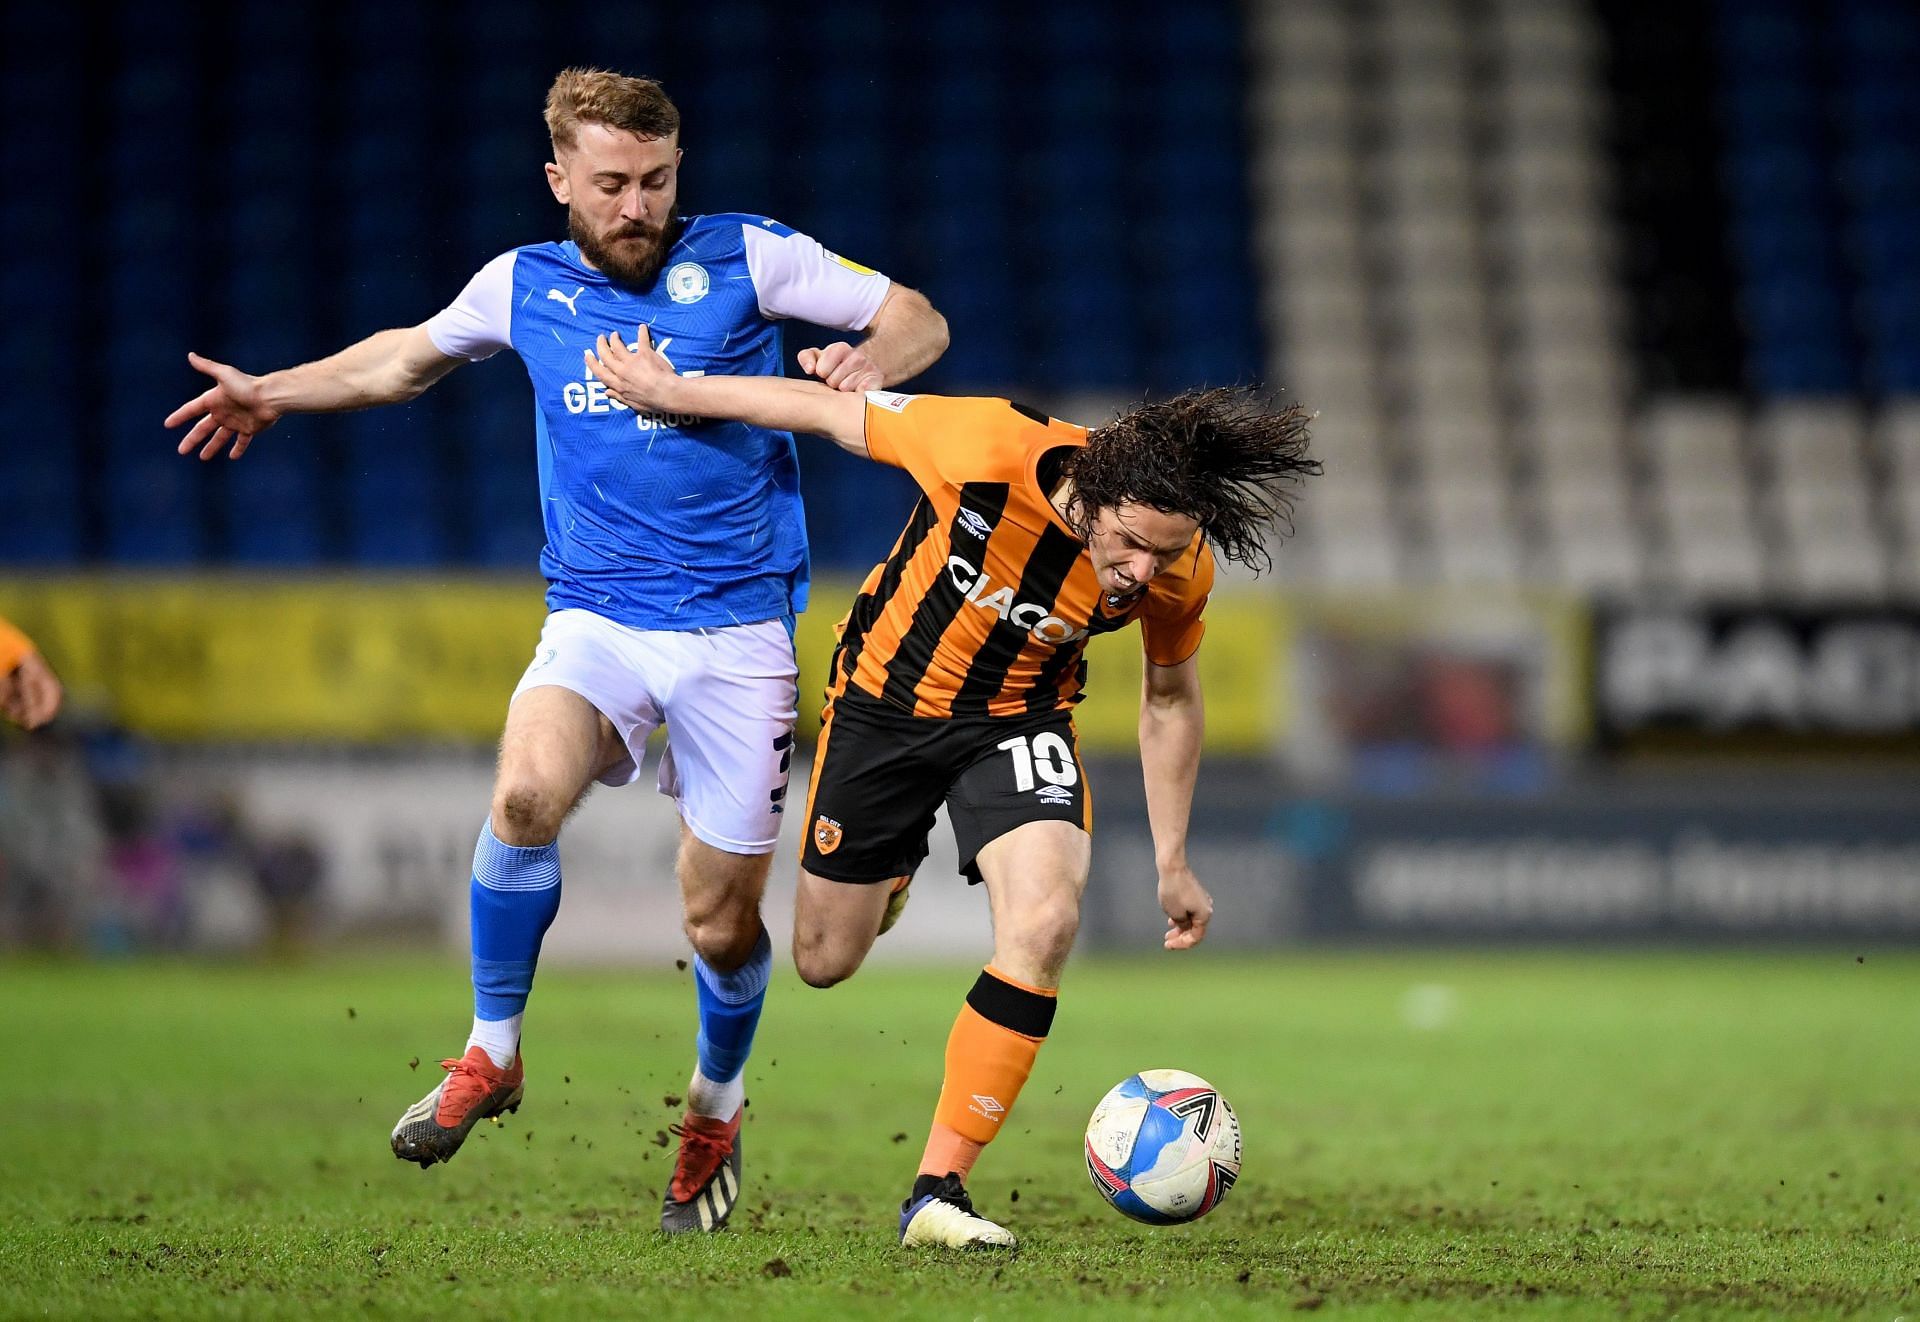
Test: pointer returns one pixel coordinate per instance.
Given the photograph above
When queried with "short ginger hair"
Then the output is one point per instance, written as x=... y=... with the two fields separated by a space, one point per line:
x=598 y=96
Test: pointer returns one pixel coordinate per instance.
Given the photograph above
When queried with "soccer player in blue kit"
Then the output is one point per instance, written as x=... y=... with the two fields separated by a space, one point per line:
x=675 y=559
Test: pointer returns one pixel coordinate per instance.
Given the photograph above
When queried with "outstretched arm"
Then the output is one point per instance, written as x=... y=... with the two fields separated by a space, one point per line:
x=386 y=368
x=906 y=336
x=644 y=381
x=1172 y=724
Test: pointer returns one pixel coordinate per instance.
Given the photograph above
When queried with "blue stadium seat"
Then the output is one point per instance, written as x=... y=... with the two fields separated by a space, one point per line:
x=855 y=509
x=1897 y=372
x=1887 y=244
x=727 y=30
x=157 y=92
x=40 y=504
x=1880 y=174
x=983 y=356
x=1762 y=178
x=395 y=503
x=1080 y=101
x=1785 y=241
x=1203 y=179
x=848 y=33
x=964 y=30
x=1804 y=367
x=963 y=97
x=273 y=503
x=41 y=533
x=1080 y=29
x=153 y=512
x=1789 y=303
x=1203 y=38
x=1761 y=37
x=1762 y=114
x=396 y=537
x=1882 y=34
x=508 y=537
x=1878 y=109
x=1890 y=310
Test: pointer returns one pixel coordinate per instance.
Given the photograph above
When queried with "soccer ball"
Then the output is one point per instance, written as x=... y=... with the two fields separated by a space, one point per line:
x=1163 y=1147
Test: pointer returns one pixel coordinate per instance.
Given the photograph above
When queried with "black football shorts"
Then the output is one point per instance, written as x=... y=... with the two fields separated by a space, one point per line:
x=879 y=774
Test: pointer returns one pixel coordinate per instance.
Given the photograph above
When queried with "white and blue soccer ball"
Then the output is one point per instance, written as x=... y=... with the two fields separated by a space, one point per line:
x=1163 y=1147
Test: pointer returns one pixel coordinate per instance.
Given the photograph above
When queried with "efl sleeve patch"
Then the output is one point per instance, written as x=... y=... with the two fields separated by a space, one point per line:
x=793 y=276
x=850 y=264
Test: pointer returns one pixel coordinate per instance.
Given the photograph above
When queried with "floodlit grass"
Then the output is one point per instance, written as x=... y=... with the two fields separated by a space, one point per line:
x=1427 y=1135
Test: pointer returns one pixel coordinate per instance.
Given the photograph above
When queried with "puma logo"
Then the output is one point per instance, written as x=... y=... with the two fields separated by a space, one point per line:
x=555 y=296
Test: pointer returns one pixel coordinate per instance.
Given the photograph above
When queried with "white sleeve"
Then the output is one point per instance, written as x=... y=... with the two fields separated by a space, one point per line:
x=477 y=324
x=793 y=276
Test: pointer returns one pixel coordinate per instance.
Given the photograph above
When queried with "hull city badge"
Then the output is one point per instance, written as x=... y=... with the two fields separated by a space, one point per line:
x=826 y=834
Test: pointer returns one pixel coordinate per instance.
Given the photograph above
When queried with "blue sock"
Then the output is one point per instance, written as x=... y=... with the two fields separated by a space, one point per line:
x=730 y=1011
x=514 y=896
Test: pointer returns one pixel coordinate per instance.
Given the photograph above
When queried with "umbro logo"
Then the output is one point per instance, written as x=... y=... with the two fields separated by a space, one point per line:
x=989 y=1107
x=555 y=296
x=1056 y=795
x=974 y=523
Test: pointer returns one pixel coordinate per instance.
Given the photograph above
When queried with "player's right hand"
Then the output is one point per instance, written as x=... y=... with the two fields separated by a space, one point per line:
x=234 y=409
x=1187 y=905
x=844 y=367
x=30 y=694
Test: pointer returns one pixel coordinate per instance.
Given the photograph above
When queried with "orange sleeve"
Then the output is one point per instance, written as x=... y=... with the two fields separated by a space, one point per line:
x=944 y=440
x=14 y=648
x=1172 y=626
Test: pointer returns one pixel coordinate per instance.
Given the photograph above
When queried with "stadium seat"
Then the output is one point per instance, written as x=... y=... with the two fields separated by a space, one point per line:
x=40 y=519
x=152 y=513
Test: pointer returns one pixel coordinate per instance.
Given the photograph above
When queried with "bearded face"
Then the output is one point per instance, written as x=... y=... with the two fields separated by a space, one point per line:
x=619 y=190
x=632 y=252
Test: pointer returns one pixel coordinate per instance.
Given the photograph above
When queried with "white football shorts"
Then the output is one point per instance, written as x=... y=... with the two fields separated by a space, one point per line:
x=728 y=697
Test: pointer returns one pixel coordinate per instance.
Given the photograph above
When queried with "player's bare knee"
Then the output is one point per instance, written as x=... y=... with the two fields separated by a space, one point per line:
x=1047 y=932
x=824 y=971
x=819 y=962
x=526 y=813
x=722 y=937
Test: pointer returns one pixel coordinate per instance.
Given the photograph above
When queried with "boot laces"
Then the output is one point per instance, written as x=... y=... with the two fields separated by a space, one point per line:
x=701 y=1153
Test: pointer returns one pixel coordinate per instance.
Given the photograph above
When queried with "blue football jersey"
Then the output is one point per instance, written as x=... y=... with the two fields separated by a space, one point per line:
x=664 y=521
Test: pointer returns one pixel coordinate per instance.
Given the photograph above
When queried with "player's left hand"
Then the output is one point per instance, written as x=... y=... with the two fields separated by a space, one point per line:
x=30 y=694
x=844 y=367
x=1187 y=905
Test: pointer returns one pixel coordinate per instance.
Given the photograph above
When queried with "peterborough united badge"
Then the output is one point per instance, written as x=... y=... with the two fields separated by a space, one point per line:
x=826 y=834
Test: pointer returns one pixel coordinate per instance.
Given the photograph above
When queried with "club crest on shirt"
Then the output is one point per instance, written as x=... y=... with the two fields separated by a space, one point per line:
x=687 y=282
x=826 y=834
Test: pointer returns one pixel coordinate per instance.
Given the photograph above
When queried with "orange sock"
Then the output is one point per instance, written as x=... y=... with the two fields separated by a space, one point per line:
x=989 y=1055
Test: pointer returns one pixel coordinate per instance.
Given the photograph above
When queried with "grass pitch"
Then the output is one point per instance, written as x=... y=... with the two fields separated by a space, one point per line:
x=1427 y=1135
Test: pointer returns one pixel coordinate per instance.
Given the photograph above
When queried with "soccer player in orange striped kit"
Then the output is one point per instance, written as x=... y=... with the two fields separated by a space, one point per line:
x=956 y=674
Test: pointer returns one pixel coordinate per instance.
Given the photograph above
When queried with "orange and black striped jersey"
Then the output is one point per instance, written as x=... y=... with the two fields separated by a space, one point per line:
x=985 y=604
